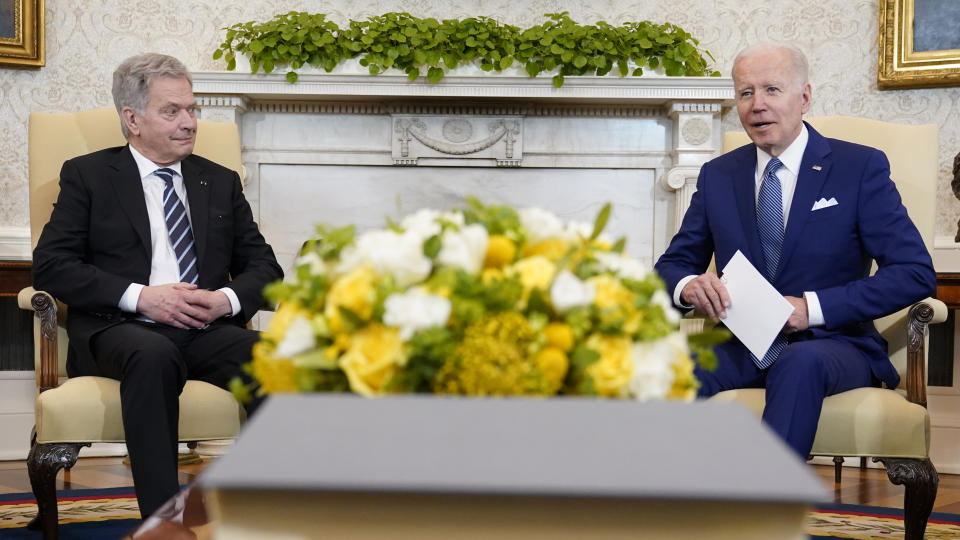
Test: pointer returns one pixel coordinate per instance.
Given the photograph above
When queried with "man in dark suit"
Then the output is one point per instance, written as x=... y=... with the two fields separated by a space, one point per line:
x=156 y=253
x=835 y=211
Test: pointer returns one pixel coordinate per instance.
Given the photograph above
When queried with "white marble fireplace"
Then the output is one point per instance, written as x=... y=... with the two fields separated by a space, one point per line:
x=344 y=149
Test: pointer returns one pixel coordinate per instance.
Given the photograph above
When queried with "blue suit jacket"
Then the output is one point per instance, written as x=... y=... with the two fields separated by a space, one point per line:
x=828 y=251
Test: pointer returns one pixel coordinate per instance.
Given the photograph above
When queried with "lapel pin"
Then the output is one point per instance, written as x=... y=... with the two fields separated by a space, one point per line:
x=203 y=182
x=817 y=167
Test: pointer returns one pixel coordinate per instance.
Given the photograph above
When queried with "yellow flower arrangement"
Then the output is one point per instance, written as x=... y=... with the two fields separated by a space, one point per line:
x=485 y=300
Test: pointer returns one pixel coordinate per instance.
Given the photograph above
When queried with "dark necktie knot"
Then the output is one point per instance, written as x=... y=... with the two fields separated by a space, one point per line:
x=165 y=174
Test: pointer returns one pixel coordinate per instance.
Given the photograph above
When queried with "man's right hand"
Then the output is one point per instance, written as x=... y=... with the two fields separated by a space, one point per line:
x=708 y=294
x=168 y=304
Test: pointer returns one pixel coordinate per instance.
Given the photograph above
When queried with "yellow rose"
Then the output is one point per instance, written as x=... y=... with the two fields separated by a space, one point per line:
x=489 y=275
x=375 y=354
x=685 y=383
x=554 y=364
x=282 y=317
x=559 y=335
x=500 y=252
x=611 y=293
x=551 y=248
x=612 y=372
x=353 y=291
x=535 y=273
x=274 y=374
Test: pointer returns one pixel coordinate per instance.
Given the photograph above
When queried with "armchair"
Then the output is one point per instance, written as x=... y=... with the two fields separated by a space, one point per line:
x=72 y=413
x=891 y=426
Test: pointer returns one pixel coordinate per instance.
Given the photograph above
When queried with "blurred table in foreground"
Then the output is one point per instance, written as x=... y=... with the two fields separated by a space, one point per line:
x=340 y=466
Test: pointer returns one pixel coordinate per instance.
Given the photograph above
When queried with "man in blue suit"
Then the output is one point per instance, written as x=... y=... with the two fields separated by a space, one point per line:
x=836 y=211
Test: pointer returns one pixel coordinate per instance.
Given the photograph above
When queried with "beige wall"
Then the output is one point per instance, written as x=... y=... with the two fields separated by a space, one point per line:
x=86 y=39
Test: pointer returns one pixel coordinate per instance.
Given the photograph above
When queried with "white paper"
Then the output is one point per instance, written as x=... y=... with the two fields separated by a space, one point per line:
x=757 y=311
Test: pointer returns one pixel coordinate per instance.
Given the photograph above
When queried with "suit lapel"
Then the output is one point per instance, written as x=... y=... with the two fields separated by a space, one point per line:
x=744 y=185
x=125 y=178
x=198 y=195
x=809 y=186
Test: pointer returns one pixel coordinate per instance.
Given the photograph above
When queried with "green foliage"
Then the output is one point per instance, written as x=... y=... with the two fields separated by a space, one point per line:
x=414 y=45
x=429 y=349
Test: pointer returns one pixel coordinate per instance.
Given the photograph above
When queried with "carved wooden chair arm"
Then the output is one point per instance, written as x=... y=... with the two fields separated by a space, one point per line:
x=920 y=316
x=45 y=305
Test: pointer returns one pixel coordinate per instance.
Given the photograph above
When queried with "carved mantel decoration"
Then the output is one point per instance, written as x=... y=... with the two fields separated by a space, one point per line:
x=637 y=142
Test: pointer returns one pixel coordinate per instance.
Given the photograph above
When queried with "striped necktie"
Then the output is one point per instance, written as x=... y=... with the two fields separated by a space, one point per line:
x=178 y=227
x=770 y=225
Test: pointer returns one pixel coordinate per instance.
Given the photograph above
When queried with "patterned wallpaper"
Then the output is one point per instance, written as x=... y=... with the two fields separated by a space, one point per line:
x=86 y=39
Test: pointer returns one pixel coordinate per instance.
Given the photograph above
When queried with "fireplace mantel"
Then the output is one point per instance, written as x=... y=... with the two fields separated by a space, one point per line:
x=308 y=146
x=646 y=91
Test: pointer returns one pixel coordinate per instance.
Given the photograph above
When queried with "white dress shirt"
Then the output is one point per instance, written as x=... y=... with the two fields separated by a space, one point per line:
x=163 y=263
x=787 y=174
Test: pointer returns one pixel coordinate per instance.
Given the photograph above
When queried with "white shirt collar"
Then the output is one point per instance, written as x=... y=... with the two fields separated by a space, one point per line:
x=791 y=157
x=147 y=167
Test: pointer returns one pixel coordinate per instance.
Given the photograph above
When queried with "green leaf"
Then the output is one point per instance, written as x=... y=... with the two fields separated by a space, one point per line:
x=451 y=60
x=217 y=54
x=506 y=62
x=557 y=81
x=434 y=75
x=255 y=46
x=580 y=61
x=533 y=69
x=600 y=222
x=292 y=77
x=432 y=246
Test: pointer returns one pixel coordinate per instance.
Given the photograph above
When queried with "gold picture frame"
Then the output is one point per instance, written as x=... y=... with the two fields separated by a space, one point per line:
x=902 y=67
x=21 y=33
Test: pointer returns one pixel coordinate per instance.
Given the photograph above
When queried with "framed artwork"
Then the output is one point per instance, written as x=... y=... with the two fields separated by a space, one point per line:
x=21 y=33
x=919 y=43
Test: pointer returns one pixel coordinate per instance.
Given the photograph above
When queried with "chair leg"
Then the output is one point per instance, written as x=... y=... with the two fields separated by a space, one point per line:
x=920 y=479
x=43 y=464
x=837 y=467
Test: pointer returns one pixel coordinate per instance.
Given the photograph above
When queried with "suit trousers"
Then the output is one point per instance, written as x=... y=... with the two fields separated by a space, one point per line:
x=153 y=362
x=802 y=376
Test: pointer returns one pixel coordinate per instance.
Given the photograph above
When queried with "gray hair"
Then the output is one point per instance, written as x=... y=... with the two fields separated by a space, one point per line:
x=132 y=78
x=800 y=67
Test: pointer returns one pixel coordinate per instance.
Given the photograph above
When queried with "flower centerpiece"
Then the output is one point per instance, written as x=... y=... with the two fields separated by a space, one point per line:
x=485 y=300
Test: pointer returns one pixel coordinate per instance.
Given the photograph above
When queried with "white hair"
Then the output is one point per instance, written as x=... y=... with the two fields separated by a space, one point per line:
x=800 y=67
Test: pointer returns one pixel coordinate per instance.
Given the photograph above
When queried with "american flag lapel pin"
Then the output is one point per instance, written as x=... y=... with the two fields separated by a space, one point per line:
x=817 y=167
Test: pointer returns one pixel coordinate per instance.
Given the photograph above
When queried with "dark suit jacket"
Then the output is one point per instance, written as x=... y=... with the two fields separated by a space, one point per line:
x=828 y=251
x=98 y=242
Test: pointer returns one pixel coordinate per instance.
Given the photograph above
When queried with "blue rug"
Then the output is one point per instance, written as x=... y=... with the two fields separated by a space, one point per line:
x=112 y=513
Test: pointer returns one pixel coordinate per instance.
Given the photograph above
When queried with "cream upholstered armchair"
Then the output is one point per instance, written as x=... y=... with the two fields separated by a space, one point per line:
x=71 y=413
x=891 y=426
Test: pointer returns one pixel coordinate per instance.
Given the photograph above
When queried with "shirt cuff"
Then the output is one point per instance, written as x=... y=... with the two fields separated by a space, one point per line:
x=234 y=301
x=814 y=312
x=128 y=302
x=679 y=289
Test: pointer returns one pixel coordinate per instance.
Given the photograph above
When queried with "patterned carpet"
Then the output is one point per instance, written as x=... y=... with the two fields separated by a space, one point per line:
x=111 y=513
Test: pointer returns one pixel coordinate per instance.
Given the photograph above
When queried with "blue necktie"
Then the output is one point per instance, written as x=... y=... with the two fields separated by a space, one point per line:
x=770 y=225
x=178 y=227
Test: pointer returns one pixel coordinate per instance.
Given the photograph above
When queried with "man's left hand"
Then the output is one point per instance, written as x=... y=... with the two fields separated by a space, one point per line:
x=213 y=304
x=799 y=319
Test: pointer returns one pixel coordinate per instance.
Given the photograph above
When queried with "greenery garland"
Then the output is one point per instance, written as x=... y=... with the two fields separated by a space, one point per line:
x=402 y=41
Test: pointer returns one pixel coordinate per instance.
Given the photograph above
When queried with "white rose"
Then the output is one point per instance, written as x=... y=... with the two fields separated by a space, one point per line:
x=662 y=299
x=297 y=339
x=623 y=266
x=465 y=248
x=388 y=253
x=539 y=224
x=426 y=223
x=313 y=260
x=653 y=361
x=415 y=310
x=568 y=291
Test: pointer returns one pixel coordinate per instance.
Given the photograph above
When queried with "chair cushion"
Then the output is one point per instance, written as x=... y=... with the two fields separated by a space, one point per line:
x=87 y=409
x=862 y=422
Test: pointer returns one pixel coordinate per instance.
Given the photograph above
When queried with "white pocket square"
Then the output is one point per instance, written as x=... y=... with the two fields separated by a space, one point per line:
x=823 y=203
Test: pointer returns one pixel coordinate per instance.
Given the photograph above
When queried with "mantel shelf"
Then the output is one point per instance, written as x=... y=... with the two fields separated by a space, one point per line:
x=647 y=91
